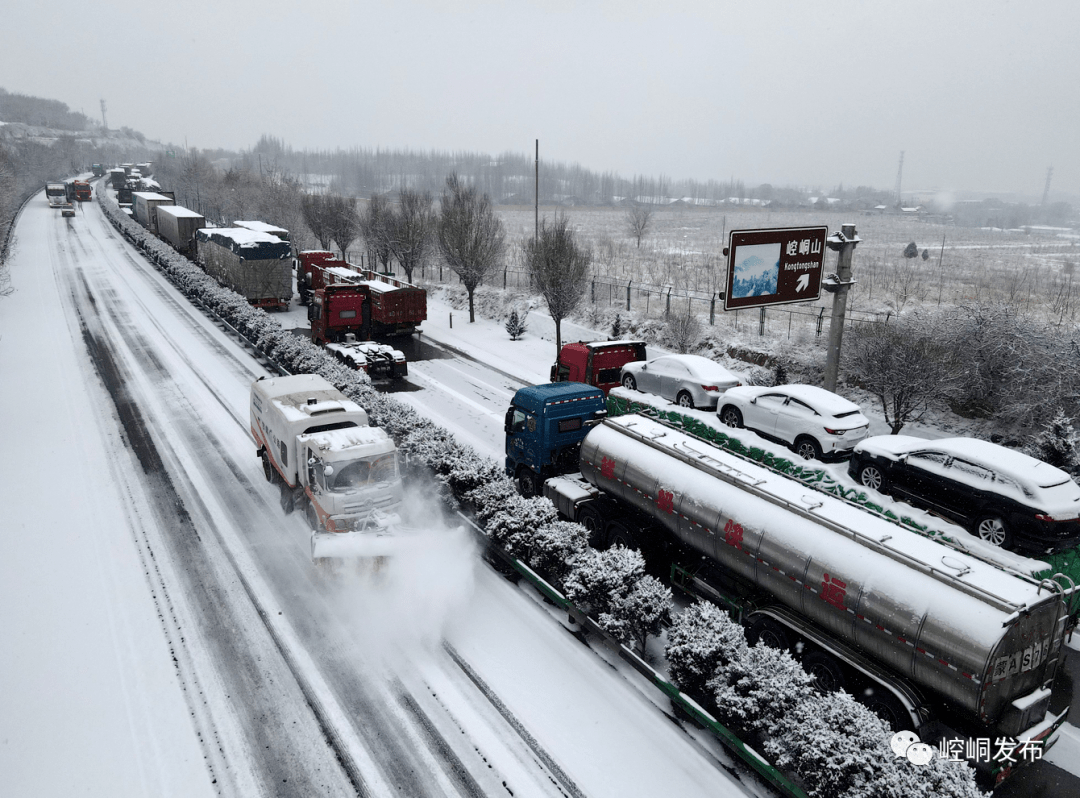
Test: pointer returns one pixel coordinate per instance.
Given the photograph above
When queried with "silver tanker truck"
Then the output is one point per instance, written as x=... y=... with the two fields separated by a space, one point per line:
x=920 y=632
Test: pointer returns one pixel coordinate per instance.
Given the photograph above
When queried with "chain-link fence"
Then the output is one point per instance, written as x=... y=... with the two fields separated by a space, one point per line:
x=651 y=300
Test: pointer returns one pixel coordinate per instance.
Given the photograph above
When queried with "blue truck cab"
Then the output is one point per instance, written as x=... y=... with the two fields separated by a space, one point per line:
x=545 y=426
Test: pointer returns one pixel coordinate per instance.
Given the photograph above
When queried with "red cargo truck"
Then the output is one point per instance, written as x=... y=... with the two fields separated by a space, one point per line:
x=597 y=363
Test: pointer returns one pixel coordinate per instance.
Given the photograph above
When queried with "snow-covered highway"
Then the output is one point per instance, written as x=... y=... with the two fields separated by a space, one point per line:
x=165 y=632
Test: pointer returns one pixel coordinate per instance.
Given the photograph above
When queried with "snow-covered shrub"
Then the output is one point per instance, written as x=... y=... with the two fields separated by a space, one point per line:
x=487 y=498
x=760 y=687
x=840 y=749
x=515 y=325
x=702 y=639
x=640 y=613
x=514 y=525
x=599 y=579
x=1057 y=444
x=682 y=333
x=554 y=547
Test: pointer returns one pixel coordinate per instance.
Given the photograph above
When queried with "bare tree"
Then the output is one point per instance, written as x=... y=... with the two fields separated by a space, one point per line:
x=471 y=236
x=638 y=218
x=683 y=333
x=412 y=230
x=559 y=267
x=343 y=222
x=313 y=208
x=906 y=365
x=376 y=225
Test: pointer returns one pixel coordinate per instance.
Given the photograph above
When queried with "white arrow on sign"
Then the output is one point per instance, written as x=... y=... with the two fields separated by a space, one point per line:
x=804 y=281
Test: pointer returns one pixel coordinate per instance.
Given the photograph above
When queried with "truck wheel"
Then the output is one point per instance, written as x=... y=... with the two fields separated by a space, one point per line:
x=312 y=518
x=629 y=383
x=593 y=523
x=808 y=449
x=827 y=673
x=528 y=483
x=288 y=501
x=618 y=534
x=731 y=417
x=993 y=530
x=872 y=477
x=684 y=399
x=766 y=630
x=268 y=470
x=887 y=707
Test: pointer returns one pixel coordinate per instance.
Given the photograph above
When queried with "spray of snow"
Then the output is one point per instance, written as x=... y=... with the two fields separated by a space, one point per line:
x=402 y=606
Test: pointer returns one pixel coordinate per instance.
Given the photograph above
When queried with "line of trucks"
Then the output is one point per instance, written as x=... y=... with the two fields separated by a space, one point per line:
x=932 y=639
x=347 y=306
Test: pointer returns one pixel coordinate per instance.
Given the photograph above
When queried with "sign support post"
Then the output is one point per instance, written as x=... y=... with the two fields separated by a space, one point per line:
x=843 y=243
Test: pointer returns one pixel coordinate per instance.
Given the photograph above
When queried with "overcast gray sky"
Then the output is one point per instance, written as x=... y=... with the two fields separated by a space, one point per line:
x=982 y=95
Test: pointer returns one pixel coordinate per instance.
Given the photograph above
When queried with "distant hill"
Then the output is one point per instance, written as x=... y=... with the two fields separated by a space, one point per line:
x=40 y=112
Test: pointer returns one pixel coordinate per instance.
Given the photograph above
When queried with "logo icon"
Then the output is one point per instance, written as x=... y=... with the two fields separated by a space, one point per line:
x=907 y=744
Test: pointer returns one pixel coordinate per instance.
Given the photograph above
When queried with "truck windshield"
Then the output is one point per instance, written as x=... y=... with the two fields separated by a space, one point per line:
x=360 y=473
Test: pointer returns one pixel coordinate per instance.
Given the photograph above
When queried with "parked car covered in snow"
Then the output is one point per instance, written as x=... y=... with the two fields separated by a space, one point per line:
x=1001 y=495
x=814 y=422
x=686 y=380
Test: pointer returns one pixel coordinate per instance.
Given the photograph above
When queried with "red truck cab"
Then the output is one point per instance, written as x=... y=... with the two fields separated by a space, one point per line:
x=598 y=363
x=339 y=310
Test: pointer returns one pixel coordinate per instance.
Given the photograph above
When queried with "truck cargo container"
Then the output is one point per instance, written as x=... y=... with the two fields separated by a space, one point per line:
x=144 y=205
x=117 y=178
x=917 y=631
x=263 y=227
x=255 y=265
x=305 y=264
x=178 y=226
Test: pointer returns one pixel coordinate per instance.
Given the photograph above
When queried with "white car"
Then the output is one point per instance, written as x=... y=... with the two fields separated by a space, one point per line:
x=686 y=380
x=813 y=421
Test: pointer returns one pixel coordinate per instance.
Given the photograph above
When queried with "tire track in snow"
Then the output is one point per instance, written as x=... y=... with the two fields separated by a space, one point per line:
x=230 y=631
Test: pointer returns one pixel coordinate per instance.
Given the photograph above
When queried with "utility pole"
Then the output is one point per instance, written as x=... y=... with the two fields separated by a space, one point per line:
x=536 y=233
x=842 y=242
x=104 y=121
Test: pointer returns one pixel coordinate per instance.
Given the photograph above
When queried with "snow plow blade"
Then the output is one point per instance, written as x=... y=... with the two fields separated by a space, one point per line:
x=352 y=545
x=376 y=539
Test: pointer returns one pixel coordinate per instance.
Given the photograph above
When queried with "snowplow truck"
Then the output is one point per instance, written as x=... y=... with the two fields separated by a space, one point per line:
x=918 y=631
x=317 y=445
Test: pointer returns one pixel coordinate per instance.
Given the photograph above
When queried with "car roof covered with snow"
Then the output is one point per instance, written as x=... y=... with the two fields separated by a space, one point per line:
x=1021 y=467
x=825 y=402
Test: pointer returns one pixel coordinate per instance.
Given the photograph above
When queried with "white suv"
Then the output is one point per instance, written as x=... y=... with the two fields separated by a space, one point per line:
x=813 y=421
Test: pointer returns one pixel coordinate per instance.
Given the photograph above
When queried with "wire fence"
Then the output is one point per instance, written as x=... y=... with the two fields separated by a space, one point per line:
x=651 y=300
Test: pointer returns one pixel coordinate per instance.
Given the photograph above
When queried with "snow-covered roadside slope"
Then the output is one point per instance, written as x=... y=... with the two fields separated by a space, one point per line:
x=91 y=703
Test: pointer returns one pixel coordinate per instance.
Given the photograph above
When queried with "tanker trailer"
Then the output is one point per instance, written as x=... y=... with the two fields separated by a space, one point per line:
x=917 y=630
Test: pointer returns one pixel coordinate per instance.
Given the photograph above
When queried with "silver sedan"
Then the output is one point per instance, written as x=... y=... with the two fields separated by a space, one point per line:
x=686 y=380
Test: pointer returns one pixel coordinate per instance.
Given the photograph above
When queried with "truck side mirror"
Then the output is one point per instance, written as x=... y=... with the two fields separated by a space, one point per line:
x=508 y=420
